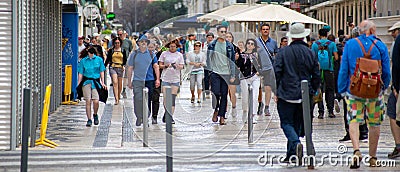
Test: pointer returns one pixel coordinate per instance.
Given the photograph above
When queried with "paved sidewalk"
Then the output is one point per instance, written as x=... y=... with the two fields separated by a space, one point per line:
x=194 y=131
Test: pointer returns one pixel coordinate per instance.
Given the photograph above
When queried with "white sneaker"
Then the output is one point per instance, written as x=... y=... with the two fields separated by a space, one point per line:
x=234 y=112
x=337 y=107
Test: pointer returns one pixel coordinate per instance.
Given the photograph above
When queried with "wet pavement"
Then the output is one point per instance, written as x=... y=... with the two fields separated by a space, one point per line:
x=198 y=143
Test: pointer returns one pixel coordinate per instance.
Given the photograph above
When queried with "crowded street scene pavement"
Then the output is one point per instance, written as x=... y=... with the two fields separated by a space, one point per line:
x=198 y=144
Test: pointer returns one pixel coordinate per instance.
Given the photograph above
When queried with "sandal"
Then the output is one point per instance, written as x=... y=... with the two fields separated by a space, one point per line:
x=356 y=159
x=222 y=121
x=372 y=162
x=192 y=100
x=215 y=116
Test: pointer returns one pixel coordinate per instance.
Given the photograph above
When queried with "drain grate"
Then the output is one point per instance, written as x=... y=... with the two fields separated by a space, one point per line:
x=127 y=129
x=103 y=129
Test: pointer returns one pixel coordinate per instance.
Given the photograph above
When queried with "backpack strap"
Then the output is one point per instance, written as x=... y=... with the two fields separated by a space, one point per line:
x=366 y=54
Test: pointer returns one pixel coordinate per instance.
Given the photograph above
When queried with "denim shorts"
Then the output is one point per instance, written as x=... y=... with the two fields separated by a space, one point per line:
x=176 y=84
x=117 y=70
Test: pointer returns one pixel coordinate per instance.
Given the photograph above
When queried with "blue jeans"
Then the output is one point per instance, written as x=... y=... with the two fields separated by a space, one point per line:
x=291 y=117
x=138 y=96
x=219 y=88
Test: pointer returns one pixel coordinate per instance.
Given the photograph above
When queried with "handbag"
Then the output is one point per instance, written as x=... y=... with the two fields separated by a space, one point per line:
x=317 y=96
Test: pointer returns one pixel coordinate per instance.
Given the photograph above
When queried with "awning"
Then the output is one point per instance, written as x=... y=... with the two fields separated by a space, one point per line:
x=272 y=13
x=224 y=13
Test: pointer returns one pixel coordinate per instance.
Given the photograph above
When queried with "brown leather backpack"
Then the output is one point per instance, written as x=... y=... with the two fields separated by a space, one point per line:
x=366 y=81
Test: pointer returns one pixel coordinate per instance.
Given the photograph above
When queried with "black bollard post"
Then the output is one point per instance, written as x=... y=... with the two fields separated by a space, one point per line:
x=25 y=128
x=168 y=128
x=250 y=116
x=307 y=122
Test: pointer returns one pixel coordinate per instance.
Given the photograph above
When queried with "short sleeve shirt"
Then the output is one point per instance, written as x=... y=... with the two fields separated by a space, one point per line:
x=91 y=68
x=170 y=74
x=143 y=65
x=331 y=47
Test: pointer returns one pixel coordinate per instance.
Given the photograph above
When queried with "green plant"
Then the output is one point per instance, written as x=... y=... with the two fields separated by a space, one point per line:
x=107 y=31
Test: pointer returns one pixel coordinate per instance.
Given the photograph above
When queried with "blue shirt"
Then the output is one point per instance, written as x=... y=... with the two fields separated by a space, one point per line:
x=142 y=65
x=352 y=51
x=272 y=45
x=91 y=68
x=331 y=49
x=265 y=57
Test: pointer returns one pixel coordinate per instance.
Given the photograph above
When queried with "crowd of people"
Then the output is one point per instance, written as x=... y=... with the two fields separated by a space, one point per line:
x=354 y=69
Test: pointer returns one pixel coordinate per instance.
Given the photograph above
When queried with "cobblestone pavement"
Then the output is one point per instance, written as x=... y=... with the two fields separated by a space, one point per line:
x=196 y=139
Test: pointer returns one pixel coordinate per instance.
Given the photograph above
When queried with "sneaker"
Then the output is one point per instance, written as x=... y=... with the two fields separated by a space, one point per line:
x=89 y=123
x=356 y=160
x=153 y=120
x=363 y=138
x=192 y=100
x=394 y=154
x=234 y=112
x=321 y=115
x=372 y=162
x=260 y=108
x=266 y=111
x=337 y=107
x=346 y=138
x=331 y=115
x=299 y=153
x=96 y=119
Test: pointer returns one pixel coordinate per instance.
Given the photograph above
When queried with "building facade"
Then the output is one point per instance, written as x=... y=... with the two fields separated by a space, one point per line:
x=339 y=13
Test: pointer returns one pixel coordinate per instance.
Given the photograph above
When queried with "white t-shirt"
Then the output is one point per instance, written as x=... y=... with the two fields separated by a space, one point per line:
x=82 y=47
x=170 y=74
x=197 y=58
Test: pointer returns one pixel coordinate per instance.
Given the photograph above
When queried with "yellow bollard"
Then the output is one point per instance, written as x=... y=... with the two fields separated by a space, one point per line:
x=45 y=116
x=67 y=86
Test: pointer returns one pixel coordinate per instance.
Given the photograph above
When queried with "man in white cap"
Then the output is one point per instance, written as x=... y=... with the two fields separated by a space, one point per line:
x=293 y=64
x=393 y=97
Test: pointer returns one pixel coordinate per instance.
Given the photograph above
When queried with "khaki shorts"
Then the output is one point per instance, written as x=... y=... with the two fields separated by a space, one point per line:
x=89 y=93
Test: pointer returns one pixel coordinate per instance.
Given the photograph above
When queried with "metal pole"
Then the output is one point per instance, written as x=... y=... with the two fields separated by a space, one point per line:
x=91 y=22
x=25 y=128
x=15 y=78
x=307 y=122
x=168 y=128
x=204 y=90
x=250 y=115
x=135 y=18
x=145 y=116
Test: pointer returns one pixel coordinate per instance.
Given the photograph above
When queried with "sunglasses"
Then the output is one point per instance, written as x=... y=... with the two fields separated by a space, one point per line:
x=250 y=43
x=197 y=45
x=222 y=31
x=265 y=29
x=119 y=34
x=117 y=43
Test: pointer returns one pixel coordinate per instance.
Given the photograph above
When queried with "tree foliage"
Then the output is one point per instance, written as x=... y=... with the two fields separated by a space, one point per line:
x=149 y=13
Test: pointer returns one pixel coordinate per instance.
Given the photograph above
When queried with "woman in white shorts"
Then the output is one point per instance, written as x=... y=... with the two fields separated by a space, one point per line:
x=196 y=61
